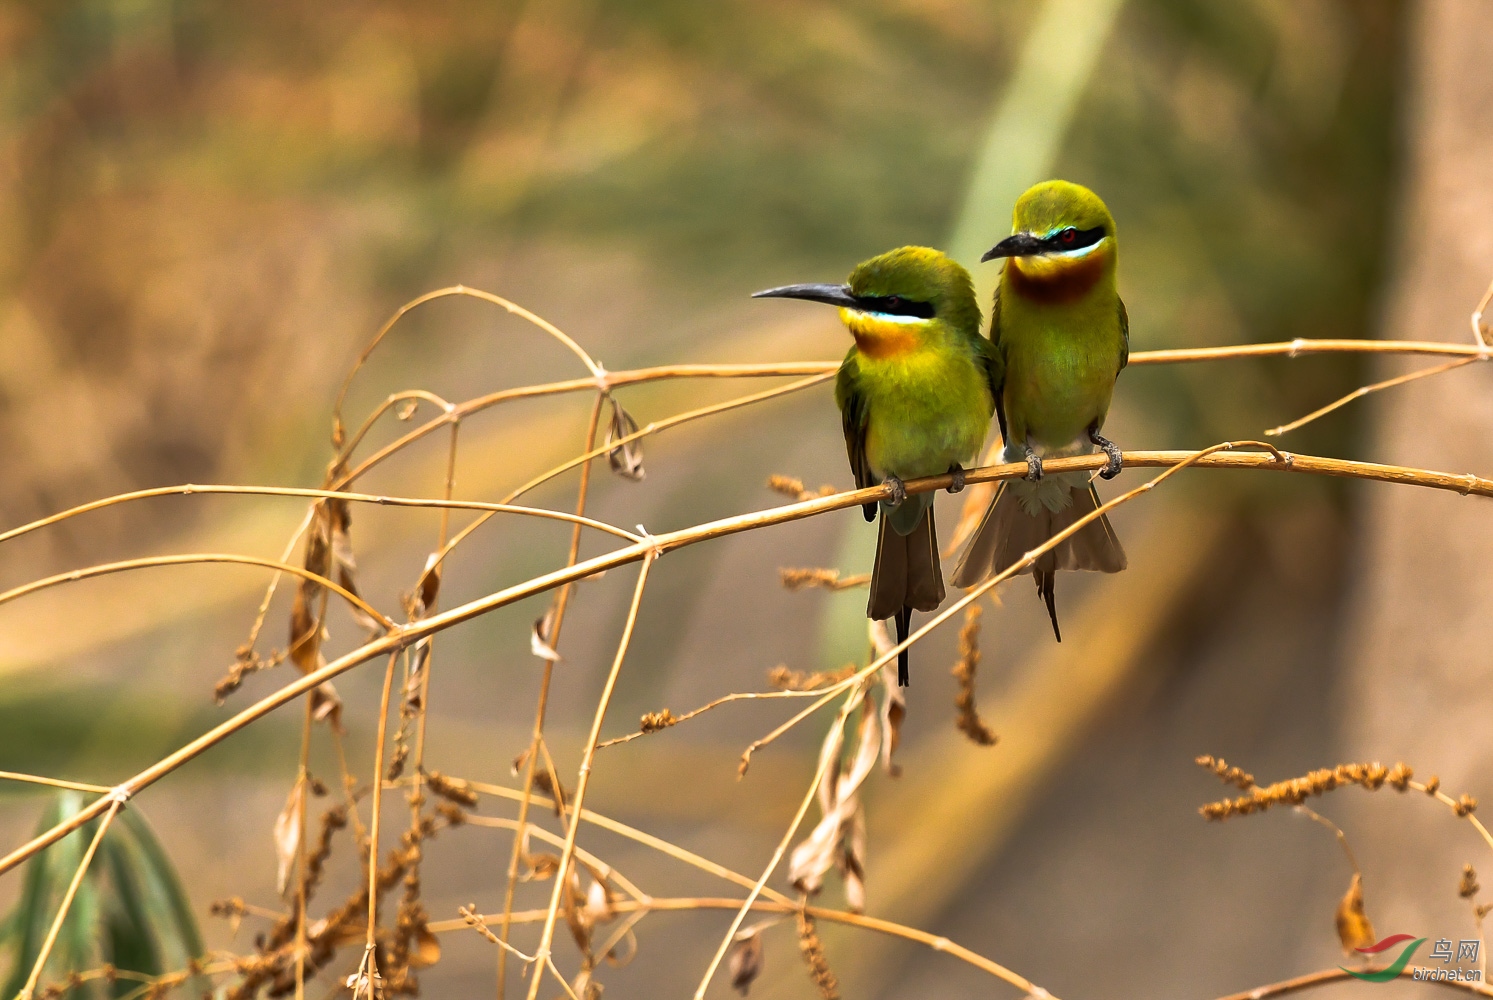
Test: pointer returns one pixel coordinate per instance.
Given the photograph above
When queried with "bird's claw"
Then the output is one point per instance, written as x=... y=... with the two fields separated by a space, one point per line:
x=1111 y=450
x=1033 y=467
x=957 y=486
x=899 y=492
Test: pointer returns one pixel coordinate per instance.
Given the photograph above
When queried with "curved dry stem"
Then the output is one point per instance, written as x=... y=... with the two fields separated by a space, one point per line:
x=1365 y=390
x=391 y=401
x=658 y=544
x=676 y=904
x=188 y=489
x=190 y=559
x=651 y=428
x=597 y=371
x=36 y=779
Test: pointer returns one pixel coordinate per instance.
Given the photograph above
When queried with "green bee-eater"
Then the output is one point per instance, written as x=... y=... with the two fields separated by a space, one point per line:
x=915 y=396
x=1060 y=330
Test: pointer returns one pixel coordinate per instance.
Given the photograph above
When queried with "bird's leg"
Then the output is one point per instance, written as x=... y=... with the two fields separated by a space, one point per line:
x=1033 y=465
x=899 y=492
x=957 y=471
x=1111 y=449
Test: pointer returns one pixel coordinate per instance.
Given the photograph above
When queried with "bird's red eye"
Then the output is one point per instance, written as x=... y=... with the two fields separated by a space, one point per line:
x=1069 y=235
x=894 y=301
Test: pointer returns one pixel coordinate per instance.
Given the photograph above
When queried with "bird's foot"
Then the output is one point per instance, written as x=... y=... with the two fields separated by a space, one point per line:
x=899 y=492
x=1033 y=466
x=957 y=486
x=1110 y=449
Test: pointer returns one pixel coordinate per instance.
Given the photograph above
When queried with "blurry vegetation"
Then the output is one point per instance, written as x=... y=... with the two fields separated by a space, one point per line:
x=129 y=913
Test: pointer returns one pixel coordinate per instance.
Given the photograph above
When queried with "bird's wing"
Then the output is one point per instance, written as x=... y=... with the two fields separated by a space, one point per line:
x=1124 y=336
x=853 y=419
x=993 y=357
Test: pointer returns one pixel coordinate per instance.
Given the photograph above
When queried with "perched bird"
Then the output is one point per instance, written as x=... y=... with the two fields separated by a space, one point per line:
x=1062 y=336
x=915 y=396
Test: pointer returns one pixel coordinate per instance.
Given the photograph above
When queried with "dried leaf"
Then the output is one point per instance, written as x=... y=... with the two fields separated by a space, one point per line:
x=744 y=960
x=326 y=706
x=538 y=636
x=626 y=460
x=287 y=834
x=1353 y=927
x=407 y=409
x=305 y=623
x=577 y=915
x=893 y=701
x=345 y=566
x=840 y=802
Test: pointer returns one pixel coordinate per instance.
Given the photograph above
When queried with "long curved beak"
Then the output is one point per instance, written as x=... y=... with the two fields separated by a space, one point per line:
x=834 y=295
x=1016 y=245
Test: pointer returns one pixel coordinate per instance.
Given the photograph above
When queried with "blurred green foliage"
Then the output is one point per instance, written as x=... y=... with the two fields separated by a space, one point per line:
x=130 y=910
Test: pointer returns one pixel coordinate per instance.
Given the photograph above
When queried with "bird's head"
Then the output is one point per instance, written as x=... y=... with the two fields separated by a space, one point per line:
x=1059 y=232
x=892 y=302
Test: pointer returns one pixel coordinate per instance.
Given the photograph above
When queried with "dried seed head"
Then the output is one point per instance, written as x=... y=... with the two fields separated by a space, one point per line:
x=1467 y=886
x=794 y=488
x=967 y=718
x=452 y=789
x=1465 y=805
x=1400 y=775
x=1353 y=927
x=828 y=579
x=1228 y=775
x=652 y=722
x=813 y=952
x=783 y=679
x=744 y=960
x=1294 y=791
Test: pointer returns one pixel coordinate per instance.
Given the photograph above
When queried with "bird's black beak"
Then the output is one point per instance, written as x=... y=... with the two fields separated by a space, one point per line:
x=834 y=295
x=1016 y=245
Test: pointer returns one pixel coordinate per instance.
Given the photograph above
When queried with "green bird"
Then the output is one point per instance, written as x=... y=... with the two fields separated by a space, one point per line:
x=915 y=396
x=1060 y=331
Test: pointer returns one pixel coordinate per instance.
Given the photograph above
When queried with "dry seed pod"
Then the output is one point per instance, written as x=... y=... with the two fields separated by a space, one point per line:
x=626 y=460
x=744 y=960
x=1353 y=927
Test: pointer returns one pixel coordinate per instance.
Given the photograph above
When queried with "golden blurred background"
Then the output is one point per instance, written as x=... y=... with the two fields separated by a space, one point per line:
x=206 y=209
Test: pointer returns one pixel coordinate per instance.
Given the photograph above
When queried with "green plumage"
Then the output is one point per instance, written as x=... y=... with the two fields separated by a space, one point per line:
x=915 y=394
x=1062 y=336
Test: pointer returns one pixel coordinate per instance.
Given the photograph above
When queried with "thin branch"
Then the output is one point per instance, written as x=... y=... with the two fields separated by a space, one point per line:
x=722 y=700
x=689 y=903
x=653 y=428
x=190 y=559
x=189 y=489
x=36 y=779
x=583 y=778
x=669 y=541
x=596 y=370
x=1365 y=390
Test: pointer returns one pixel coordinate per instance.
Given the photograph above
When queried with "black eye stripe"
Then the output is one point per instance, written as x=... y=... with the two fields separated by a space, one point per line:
x=1081 y=238
x=895 y=305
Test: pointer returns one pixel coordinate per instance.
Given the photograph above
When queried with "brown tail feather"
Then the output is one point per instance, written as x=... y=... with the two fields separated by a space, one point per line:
x=906 y=577
x=1008 y=532
x=907 y=573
